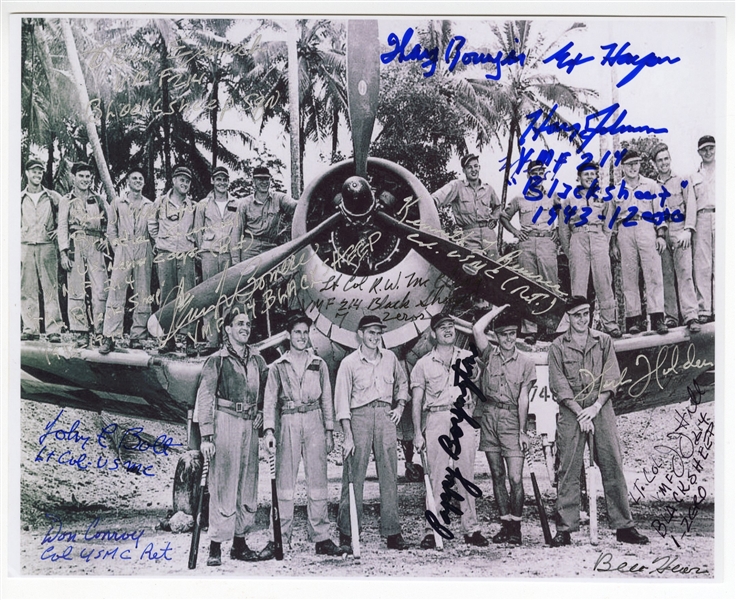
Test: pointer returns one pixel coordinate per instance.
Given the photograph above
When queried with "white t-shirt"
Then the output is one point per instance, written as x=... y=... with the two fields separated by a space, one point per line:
x=35 y=197
x=221 y=204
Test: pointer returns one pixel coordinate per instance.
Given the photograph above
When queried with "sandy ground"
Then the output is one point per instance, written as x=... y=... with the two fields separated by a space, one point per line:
x=99 y=521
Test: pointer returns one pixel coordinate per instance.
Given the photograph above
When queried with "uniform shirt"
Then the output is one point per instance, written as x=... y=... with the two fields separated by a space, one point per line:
x=704 y=188
x=172 y=227
x=224 y=376
x=77 y=214
x=38 y=219
x=468 y=204
x=436 y=380
x=213 y=228
x=286 y=385
x=127 y=226
x=681 y=199
x=361 y=381
x=501 y=379
x=597 y=206
x=645 y=185
x=527 y=209
x=262 y=219
x=581 y=374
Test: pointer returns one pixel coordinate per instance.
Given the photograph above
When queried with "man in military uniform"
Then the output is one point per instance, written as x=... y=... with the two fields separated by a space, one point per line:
x=586 y=238
x=172 y=230
x=537 y=239
x=638 y=243
x=38 y=255
x=433 y=396
x=229 y=412
x=677 y=256
x=506 y=377
x=704 y=241
x=214 y=219
x=82 y=239
x=369 y=382
x=583 y=376
x=127 y=232
x=261 y=218
x=298 y=391
x=475 y=206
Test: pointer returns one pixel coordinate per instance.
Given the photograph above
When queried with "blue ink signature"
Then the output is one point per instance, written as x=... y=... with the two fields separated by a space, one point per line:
x=586 y=134
x=654 y=217
x=69 y=435
x=132 y=440
x=546 y=155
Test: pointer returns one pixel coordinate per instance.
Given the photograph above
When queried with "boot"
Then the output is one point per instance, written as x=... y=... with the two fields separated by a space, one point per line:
x=515 y=533
x=107 y=346
x=632 y=325
x=502 y=536
x=658 y=323
x=215 y=557
x=240 y=550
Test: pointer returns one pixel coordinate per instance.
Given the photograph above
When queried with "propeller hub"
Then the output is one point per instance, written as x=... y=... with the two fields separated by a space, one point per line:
x=357 y=198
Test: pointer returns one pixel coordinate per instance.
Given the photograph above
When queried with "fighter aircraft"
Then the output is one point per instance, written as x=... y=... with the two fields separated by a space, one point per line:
x=359 y=246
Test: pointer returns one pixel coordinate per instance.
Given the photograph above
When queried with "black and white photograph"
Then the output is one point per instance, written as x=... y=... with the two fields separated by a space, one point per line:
x=366 y=296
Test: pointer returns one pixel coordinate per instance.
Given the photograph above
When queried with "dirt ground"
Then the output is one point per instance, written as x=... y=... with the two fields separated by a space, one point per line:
x=100 y=521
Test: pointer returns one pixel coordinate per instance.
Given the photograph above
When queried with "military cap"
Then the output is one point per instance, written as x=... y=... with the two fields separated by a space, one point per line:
x=466 y=159
x=295 y=318
x=706 y=140
x=588 y=166
x=630 y=156
x=136 y=169
x=505 y=320
x=574 y=303
x=369 y=321
x=77 y=167
x=535 y=164
x=182 y=170
x=220 y=171
x=261 y=172
x=33 y=162
x=440 y=318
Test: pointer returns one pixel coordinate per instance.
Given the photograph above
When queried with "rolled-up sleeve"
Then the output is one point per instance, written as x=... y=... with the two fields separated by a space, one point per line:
x=418 y=378
x=343 y=387
x=206 y=394
x=558 y=383
x=401 y=385
x=446 y=194
x=328 y=410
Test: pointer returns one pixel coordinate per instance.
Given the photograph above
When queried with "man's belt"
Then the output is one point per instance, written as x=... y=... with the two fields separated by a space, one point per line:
x=92 y=232
x=478 y=224
x=539 y=233
x=588 y=225
x=438 y=408
x=707 y=210
x=238 y=409
x=289 y=408
x=501 y=405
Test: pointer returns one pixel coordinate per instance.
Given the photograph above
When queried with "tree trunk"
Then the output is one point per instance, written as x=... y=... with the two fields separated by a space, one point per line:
x=335 y=127
x=86 y=111
x=213 y=113
x=294 y=127
x=506 y=172
x=49 y=175
x=150 y=189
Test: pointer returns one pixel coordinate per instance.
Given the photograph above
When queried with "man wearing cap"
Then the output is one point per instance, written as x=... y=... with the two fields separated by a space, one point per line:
x=82 y=229
x=229 y=411
x=171 y=227
x=677 y=257
x=39 y=208
x=433 y=396
x=298 y=392
x=704 y=243
x=214 y=219
x=127 y=232
x=369 y=382
x=638 y=242
x=586 y=241
x=474 y=205
x=260 y=218
x=537 y=240
x=583 y=377
x=506 y=377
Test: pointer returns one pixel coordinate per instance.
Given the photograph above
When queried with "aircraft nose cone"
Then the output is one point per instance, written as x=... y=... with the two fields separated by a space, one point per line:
x=357 y=198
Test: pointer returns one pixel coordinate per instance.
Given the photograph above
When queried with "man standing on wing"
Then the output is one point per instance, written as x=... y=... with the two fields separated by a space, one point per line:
x=262 y=217
x=38 y=256
x=214 y=219
x=127 y=232
x=586 y=240
x=505 y=380
x=172 y=230
x=229 y=411
x=82 y=234
x=369 y=382
x=677 y=255
x=475 y=206
x=298 y=391
x=433 y=395
x=638 y=243
x=704 y=239
x=583 y=376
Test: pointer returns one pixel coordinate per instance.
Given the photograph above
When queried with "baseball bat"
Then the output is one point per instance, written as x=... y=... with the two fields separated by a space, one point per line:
x=592 y=492
x=540 y=507
x=431 y=505
x=354 y=531
x=276 y=516
x=194 y=548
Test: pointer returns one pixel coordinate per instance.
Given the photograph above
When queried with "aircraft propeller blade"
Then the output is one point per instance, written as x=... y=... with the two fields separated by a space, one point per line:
x=219 y=290
x=482 y=277
x=364 y=71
